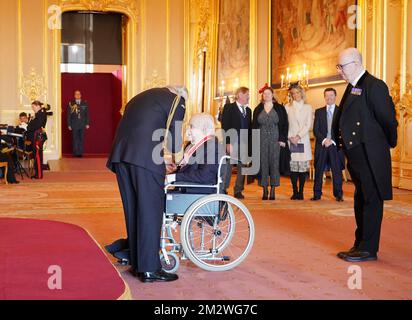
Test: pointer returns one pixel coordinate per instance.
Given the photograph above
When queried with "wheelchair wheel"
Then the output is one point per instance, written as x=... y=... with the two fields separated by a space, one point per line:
x=217 y=232
x=173 y=264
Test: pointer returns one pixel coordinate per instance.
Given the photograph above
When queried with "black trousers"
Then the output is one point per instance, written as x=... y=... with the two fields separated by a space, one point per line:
x=368 y=204
x=328 y=156
x=143 y=203
x=78 y=141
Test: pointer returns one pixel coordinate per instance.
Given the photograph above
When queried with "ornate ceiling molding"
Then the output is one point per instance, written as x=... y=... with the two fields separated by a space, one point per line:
x=128 y=7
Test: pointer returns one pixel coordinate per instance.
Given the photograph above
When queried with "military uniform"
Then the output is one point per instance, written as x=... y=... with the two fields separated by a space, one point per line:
x=37 y=138
x=78 y=119
x=140 y=178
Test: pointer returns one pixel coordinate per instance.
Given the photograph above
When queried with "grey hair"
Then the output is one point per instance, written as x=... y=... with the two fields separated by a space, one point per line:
x=353 y=53
x=204 y=122
x=180 y=91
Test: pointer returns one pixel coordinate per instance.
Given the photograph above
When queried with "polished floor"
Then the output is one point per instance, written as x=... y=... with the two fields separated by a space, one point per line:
x=294 y=256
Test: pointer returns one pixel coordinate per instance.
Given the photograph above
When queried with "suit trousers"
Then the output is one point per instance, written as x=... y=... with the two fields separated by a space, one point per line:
x=328 y=156
x=368 y=204
x=78 y=141
x=143 y=201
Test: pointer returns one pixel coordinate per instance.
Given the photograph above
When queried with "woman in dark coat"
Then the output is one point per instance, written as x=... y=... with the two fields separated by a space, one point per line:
x=271 y=118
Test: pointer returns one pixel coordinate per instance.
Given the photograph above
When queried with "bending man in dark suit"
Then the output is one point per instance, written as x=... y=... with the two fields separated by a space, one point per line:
x=367 y=127
x=237 y=124
x=326 y=151
x=141 y=176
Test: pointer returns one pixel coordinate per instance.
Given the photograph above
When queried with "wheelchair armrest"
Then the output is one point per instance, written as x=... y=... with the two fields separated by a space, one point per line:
x=183 y=185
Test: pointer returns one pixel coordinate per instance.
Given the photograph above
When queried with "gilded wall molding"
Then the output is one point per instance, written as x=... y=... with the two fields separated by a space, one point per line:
x=155 y=81
x=33 y=86
x=129 y=6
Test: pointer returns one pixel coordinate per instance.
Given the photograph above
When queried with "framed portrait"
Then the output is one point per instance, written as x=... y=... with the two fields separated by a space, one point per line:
x=233 y=56
x=307 y=36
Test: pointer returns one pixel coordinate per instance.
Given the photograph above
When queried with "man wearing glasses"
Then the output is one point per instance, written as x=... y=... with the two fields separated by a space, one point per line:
x=367 y=128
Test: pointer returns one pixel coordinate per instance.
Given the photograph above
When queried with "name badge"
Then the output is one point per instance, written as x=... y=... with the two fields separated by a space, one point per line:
x=356 y=91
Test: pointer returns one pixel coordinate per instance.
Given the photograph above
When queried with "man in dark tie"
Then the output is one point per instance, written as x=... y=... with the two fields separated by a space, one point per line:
x=326 y=151
x=78 y=122
x=237 y=124
x=367 y=129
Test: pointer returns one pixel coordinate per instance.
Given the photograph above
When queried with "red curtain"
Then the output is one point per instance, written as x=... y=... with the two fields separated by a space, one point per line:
x=103 y=92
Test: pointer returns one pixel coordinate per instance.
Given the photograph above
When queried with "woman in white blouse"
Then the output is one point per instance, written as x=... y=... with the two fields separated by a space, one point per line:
x=300 y=116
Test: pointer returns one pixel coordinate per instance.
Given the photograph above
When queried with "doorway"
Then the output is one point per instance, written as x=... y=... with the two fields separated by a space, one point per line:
x=92 y=62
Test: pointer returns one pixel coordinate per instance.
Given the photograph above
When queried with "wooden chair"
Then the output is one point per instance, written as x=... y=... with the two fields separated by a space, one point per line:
x=5 y=166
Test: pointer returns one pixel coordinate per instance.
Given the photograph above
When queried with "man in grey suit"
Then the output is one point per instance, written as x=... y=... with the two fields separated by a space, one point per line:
x=78 y=122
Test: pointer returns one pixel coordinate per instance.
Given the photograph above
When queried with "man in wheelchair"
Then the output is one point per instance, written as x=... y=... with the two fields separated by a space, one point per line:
x=200 y=163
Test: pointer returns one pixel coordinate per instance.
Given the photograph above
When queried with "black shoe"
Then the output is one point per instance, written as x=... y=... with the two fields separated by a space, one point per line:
x=265 y=193
x=117 y=246
x=300 y=196
x=272 y=193
x=157 y=276
x=14 y=182
x=315 y=198
x=239 y=195
x=123 y=257
x=294 y=196
x=360 y=256
x=339 y=199
x=343 y=254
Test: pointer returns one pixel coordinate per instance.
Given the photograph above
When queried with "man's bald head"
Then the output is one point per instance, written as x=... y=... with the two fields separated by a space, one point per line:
x=350 y=64
x=352 y=54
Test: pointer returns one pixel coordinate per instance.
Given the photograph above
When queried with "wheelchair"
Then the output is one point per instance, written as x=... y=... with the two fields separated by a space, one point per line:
x=214 y=231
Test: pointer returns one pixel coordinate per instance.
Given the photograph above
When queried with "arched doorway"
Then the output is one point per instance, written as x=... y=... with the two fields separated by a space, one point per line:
x=129 y=68
x=92 y=61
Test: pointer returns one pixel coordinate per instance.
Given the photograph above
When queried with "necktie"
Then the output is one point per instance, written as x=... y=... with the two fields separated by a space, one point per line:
x=330 y=118
x=243 y=111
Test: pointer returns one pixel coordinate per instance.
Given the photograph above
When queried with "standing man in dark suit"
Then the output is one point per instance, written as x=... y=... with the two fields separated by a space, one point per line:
x=237 y=124
x=78 y=122
x=141 y=175
x=367 y=128
x=36 y=135
x=326 y=151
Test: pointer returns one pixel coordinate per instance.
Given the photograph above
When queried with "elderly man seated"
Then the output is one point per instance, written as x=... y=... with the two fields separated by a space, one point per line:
x=200 y=164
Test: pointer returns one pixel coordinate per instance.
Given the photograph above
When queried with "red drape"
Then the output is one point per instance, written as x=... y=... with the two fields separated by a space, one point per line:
x=103 y=92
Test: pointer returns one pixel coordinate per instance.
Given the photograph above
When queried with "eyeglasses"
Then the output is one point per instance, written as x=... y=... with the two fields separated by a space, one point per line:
x=341 y=66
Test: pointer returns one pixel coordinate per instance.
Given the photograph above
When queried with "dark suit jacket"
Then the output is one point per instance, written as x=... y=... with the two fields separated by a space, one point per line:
x=320 y=130
x=144 y=114
x=37 y=123
x=73 y=120
x=231 y=119
x=368 y=118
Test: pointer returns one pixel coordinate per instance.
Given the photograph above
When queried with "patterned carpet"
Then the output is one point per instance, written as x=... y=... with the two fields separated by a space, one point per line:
x=294 y=256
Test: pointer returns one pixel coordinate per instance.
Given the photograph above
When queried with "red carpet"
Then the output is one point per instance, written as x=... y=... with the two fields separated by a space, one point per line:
x=29 y=247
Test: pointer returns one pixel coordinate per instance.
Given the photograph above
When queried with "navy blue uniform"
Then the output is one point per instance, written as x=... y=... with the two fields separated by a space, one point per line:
x=78 y=119
x=367 y=128
x=140 y=179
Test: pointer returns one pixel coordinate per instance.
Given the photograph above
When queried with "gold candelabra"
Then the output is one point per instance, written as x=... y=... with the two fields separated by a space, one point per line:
x=301 y=77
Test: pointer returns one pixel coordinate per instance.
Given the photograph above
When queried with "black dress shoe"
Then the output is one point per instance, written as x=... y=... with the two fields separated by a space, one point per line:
x=315 y=198
x=339 y=199
x=300 y=196
x=343 y=254
x=294 y=196
x=361 y=256
x=123 y=257
x=239 y=195
x=160 y=276
x=117 y=246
